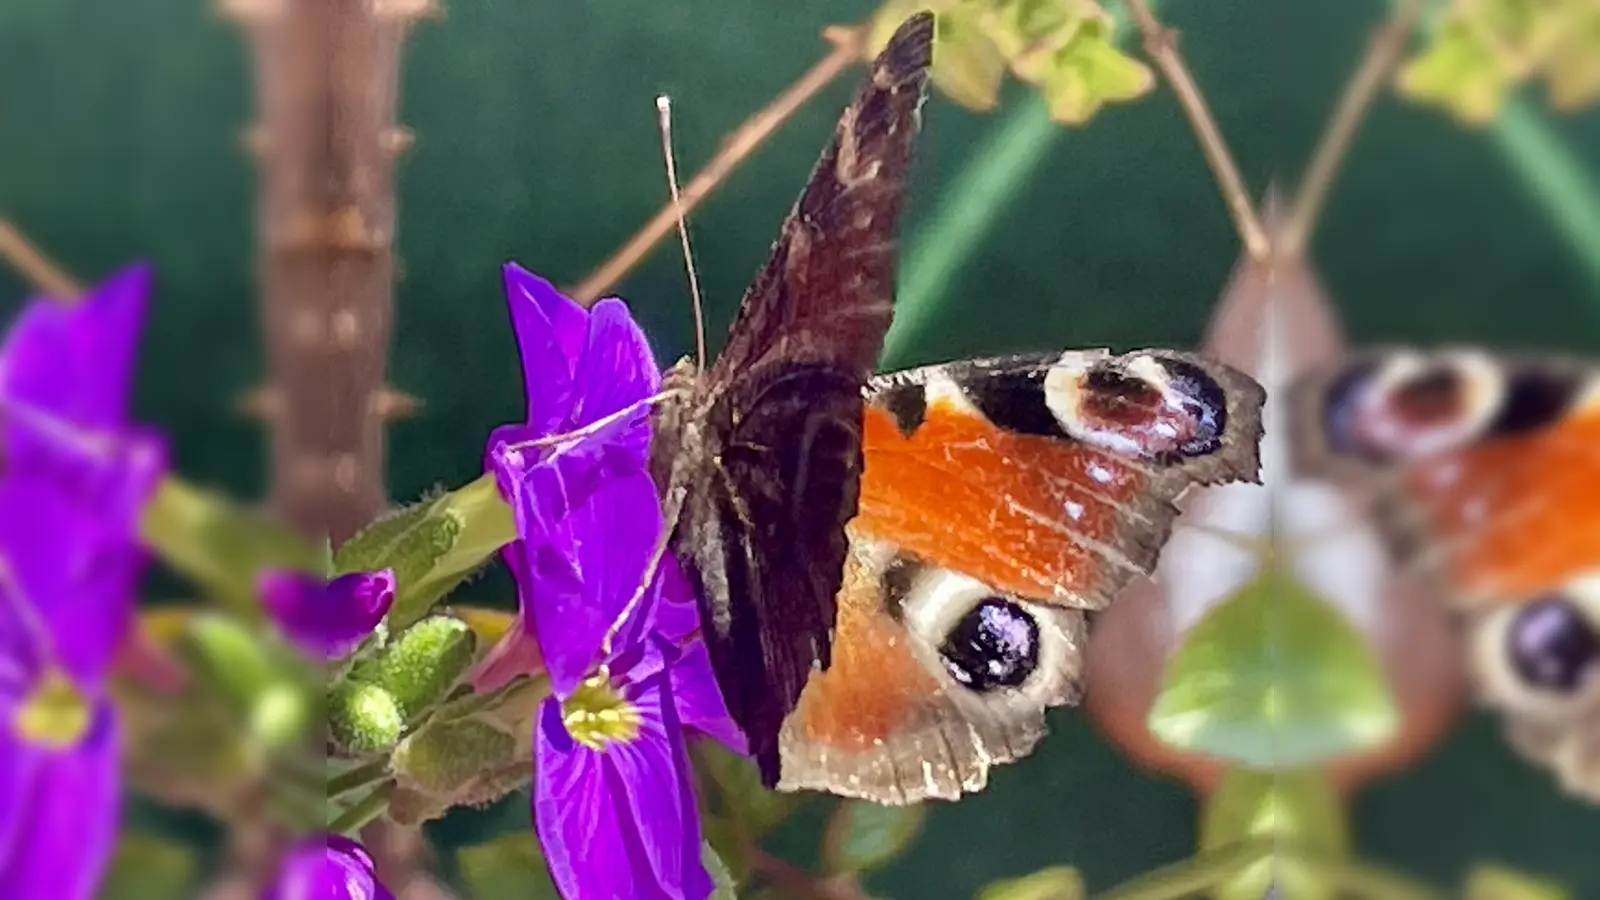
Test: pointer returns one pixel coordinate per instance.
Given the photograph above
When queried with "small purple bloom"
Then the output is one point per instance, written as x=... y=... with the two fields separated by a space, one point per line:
x=613 y=801
x=329 y=867
x=74 y=476
x=327 y=618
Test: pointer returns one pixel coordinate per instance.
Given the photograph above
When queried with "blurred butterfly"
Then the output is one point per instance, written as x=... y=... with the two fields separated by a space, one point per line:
x=1484 y=474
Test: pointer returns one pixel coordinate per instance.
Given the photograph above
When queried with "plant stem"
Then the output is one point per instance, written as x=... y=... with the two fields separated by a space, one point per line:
x=35 y=266
x=364 y=811
x=1161 y=47
x=736 y=147
x=1383 y=53
x=361 y=776
x=1193 y=876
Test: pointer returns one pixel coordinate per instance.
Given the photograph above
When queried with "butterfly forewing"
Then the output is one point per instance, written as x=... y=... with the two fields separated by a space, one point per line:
x=760 y=457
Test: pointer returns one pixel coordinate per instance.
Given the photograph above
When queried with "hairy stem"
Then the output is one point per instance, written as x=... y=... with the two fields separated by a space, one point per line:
x=1162 y=49
x=736 y=147
x=31 y=262
x=1383 y=54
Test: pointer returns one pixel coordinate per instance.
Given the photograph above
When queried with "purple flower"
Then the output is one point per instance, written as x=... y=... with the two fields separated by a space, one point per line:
x=613 y=803
x=329 y=867
x=327 y=619
x=74 y=475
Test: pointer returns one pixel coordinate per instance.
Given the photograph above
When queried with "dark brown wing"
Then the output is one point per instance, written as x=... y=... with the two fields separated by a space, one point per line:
x=762 y=529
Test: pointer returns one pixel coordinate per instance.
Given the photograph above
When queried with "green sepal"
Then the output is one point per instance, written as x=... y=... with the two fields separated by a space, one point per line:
x=1054 y=883
x=432 y=546
x=861 y=836
x=1274 y=677
x=222 y=546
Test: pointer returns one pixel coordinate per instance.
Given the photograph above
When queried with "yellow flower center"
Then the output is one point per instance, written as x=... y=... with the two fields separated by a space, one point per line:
x=55 y=715
x=596 y=715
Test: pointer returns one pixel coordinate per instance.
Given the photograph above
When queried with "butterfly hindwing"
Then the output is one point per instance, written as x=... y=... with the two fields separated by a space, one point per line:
x=1483 y=471
x=760 y=457
x=1002 y=501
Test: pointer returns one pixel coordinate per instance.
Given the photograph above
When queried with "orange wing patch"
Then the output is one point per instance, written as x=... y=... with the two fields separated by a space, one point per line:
x=1028 y=515
x=1518 y=515
x=876 y=686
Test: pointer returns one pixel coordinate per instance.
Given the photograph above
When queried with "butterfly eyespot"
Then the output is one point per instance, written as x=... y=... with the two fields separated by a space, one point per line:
x=995 y=645
x=1413 y=406
x=1551 y=646
x=1147 y=407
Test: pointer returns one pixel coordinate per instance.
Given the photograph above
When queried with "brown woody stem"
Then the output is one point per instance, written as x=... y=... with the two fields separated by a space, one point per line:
x=1161 y=47
x=736 y=147
x=27 y=259
x=1383 y=53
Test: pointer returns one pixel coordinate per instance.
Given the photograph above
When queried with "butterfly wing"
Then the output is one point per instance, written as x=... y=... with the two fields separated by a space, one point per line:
x=774 y=474
x=1002 y=501
x=1484 y=473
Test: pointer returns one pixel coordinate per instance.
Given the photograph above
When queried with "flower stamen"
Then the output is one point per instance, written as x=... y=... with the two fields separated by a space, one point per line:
x=55 y=715
x=596 y=714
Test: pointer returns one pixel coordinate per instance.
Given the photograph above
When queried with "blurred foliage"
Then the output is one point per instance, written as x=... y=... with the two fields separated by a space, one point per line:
x=862 y=836
x=1054 y=883
x=146 y=866
x=1480 y=50
x=1297 y=806
x=1499 y=883
x=1064 y=48
x=512 y=867
x=1273 y=677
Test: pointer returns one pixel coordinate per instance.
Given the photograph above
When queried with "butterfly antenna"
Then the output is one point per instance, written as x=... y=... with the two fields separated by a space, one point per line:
x=664 y=115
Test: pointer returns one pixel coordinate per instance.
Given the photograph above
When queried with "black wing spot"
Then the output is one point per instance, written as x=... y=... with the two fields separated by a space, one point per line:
x=1014 y=401
x=908 y=403
x=1535 y=399
x=996 y=645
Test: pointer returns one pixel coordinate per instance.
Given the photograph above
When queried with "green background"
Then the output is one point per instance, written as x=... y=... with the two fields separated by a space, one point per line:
x=537 y=141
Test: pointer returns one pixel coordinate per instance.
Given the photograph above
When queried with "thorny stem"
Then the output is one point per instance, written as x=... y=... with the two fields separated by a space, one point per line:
x=736 y=147
x=1383 y=53
x=1161 y=47
x=35 y=266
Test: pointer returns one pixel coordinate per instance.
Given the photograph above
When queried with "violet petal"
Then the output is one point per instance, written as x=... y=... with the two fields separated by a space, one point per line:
x=327 y=618
x=329 y=867
x=69 y=812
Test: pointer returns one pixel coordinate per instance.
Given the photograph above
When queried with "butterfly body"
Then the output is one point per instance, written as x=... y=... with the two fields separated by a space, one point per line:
x=1002 y=502
x=1486 y=479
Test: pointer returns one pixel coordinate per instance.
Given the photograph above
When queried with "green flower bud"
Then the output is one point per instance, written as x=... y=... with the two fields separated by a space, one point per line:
x=420 y=666
x=255 y=683
x=364 y=718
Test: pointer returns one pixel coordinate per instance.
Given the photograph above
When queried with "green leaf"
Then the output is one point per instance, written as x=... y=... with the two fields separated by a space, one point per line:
x=1086 y=73
x=1459 y=73
x=1572 y=65
x=736 y=790
x=432 y=546
x=219 y=544
x=1497 y=883
x=507 y=868
x=1054 y=883
x=148 y=867
x=1273 y=678
x=968 y=66
x=862 y=836
x=1295 y=806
